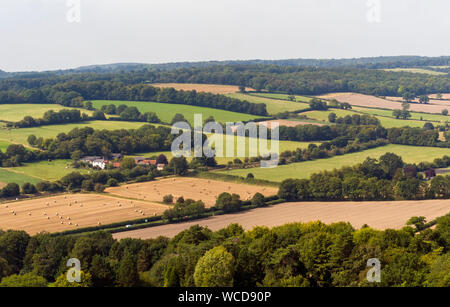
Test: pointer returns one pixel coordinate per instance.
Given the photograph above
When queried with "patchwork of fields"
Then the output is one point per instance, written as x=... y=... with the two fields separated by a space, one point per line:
x=386 y=122
x=273 y=106
x=50 y=131
x=206 y=88
x=410 y=154
x=166 y=111
x=375 y=102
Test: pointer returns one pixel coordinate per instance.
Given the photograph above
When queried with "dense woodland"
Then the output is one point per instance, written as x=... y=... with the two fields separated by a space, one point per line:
x=307 y=255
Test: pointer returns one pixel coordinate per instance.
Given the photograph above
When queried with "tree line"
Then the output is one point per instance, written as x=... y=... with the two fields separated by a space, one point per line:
x=74 y=93
x=386 y=178
x=296 y=254
x=80 y=142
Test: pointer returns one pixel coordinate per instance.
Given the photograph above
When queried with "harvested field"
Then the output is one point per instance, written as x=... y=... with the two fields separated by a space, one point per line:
x=194 y=188
x=206 y=88
x=65 y=212
x=379 y=215
x=432 y=101
x=375 y=102
x=444 y=96
x=288 y=123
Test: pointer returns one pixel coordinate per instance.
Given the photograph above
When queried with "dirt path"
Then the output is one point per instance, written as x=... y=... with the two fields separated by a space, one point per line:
x=379 y=215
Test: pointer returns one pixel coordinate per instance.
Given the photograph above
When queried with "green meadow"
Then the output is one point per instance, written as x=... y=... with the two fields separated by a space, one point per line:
x=39 y=171
x=4 y=145
x=16 y=112
x=7 y=176
x=218 y=139
x=273 y=106
x=410 y=154
x=386 y=122
x=414 y=115
x=50 y=131
x=298 y=98
x=166 y=111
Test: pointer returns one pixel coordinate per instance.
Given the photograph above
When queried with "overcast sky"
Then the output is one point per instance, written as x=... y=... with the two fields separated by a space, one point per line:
x=37 y=34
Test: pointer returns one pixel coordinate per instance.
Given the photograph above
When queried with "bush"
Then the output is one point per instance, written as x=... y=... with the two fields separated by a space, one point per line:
x=28 y=188
x=11 y=189
x=99 y=188
x=258 y=200
x=168 y=199
x=112 y=182
x=87 y=185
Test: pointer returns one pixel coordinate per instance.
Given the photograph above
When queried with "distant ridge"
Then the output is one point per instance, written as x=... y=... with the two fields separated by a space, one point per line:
x=365 y=62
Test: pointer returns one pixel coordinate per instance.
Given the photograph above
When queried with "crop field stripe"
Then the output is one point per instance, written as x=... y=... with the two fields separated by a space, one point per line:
x=166 y=111
x=303 y=170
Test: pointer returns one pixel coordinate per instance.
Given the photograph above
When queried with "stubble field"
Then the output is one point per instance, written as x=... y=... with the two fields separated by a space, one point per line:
x=193 y=188
x=65 y=212
x=378 y=215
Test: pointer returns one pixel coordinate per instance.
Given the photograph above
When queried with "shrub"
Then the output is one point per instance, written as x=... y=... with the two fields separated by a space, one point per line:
x=168 y=199
x=28 y=188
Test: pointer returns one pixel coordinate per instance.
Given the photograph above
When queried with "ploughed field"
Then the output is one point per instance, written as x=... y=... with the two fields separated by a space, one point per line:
x=70 y=211
x=193 y=188
x=378 y=215
x=206 y=88
x=375 y=102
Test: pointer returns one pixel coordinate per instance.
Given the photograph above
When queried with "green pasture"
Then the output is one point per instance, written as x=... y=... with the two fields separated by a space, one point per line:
x=166 y=111
x=50 y=131
x=273 y=106
x=298 y=98
x=7 y=176
x=414 y=115
x=247 y=142
x=385 y=121
x=16 y=112
x=410 y=154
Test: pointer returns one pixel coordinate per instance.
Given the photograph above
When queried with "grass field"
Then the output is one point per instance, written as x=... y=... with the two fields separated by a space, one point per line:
x=379 y=215
x=7 y=176
x=417 y=71
x=385 y=121
x=273 y=106
x=410 y=154
x=283 y=146
x=206 y=88
x=166 y=111
x=44 y=170
x=193 y=188
x=65 y=212
x=4 y=145
x=414 y=115
x=298 y=98
x=16 y=112
x=21 y=135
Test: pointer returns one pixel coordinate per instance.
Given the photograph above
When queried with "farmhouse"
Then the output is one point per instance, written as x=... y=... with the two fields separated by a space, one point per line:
x=100 y=163
x=90 y=159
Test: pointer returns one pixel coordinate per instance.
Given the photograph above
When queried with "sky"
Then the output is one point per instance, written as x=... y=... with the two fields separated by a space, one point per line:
x=38 y=35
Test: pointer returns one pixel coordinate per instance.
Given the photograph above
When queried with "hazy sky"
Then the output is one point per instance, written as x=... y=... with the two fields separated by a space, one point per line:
x=37 y=34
